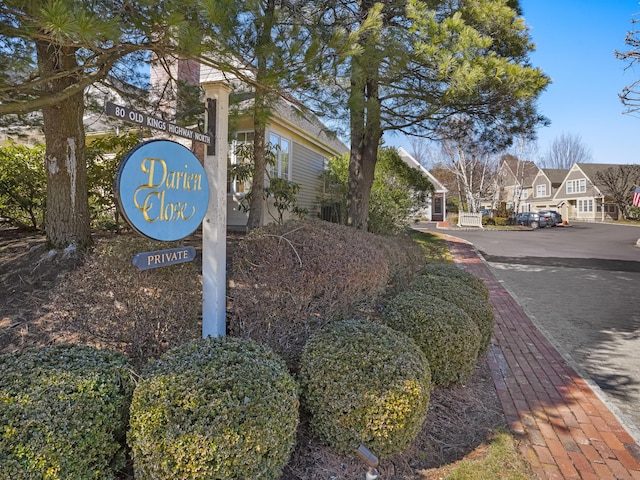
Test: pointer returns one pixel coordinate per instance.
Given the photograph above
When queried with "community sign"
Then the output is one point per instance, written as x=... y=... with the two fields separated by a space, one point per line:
x=140 y=118
x=162 y=190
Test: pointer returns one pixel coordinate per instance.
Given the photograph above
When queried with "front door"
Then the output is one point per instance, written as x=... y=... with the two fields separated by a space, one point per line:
x=437 y=213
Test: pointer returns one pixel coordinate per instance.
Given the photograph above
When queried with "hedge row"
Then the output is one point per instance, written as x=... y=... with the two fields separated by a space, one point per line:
x=212 y=408
x=228 y=407
x=447 y=313
x=369 y=383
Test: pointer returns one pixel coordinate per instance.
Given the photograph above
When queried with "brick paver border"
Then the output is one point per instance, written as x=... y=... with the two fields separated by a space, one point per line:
x=567 y=432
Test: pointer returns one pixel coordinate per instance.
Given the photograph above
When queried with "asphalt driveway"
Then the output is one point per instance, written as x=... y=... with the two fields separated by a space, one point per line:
x=580 y=285
x=592 y=241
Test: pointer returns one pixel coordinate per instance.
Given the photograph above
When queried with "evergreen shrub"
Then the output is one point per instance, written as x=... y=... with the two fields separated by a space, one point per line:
x=63 y=413
x=457 y=292
x=364 y=383
x=449 y=338
x=23 y=185
x=214 y=408
x=450 y=270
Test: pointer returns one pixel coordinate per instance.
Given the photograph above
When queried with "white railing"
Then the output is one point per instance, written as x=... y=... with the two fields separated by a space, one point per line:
x=467 y=219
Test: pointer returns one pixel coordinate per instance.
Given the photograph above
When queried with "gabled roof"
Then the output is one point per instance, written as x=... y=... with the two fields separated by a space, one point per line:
x=555 y=175
x=413 y=163
x=310 y=124
x=591 y=171
x=524 y=171
x=290 y=116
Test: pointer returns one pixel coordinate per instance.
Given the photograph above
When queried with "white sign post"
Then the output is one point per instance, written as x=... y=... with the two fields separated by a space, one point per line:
x=214 y=226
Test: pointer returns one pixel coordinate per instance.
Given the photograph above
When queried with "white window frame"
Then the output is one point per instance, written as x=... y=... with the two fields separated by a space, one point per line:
x=585 y=205
x=283 y=155
x=541 y=190
x=578 y=185
x=234 y=187
x=521 y=193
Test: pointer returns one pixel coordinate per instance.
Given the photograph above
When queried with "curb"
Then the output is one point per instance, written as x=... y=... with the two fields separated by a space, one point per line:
x=567 y=431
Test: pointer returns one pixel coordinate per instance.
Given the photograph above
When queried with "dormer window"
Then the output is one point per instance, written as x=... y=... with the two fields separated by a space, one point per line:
x=577 y=186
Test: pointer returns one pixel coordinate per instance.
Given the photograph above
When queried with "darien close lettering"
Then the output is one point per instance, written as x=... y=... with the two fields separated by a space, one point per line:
x=150 y=197
x=162 y=190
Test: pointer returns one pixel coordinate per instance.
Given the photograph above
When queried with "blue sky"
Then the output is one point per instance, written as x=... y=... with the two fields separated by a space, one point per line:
x=575 y=43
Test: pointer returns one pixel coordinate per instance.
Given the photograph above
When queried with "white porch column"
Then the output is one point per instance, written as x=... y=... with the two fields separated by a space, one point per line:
x=214 y=225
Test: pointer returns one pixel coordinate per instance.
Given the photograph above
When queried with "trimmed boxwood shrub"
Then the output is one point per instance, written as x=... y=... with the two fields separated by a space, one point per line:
x=449 y=338
x=458 y=293
x=450 y=270
x=482 y=314
x=63 y=413
x=364 y=383
x=214 y=408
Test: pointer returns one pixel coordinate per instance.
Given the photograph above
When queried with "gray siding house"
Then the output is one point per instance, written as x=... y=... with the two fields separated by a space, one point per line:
x=304 y=144
x=545 y=185
x=581 y=197
x=514 y=183
x=304 y=147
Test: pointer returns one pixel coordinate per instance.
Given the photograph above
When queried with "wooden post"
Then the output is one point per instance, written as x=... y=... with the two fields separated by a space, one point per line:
x=214 y=226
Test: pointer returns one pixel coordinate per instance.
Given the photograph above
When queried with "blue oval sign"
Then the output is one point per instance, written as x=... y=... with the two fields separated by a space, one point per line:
x=162 y=190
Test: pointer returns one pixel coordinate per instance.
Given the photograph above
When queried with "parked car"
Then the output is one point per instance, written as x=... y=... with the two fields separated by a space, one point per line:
x=532 y=219
x=553 y=215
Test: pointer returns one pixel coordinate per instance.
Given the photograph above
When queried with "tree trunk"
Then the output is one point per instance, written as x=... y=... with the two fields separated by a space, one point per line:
x=67 y=211
x=256 y=206
x=261 y=113
x=365 y=126
x=362 y=166
x=356 y=197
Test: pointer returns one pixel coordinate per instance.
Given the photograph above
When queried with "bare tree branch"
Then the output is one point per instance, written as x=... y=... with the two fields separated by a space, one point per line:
x=618 y=182
x=565 y=151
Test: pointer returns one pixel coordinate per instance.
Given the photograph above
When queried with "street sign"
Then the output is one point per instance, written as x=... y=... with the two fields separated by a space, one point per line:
x=163 y=258
x=139 y=118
